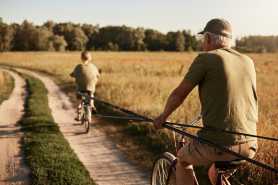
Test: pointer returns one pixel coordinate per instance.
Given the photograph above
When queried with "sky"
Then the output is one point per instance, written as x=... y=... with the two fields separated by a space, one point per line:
x=248 y=17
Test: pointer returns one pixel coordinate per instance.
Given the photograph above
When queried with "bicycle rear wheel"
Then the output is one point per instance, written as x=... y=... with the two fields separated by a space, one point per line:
x=87 y=126
x=86 y=123
x=164 y=171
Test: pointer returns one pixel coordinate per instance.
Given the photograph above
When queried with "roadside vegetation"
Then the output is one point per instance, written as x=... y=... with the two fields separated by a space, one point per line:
x=6 y=84
x=142 y=81
x=47 y=153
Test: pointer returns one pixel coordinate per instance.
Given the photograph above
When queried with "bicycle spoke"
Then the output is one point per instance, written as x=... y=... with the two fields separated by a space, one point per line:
x=164 y=171
x=161 y=171
x=162 y=175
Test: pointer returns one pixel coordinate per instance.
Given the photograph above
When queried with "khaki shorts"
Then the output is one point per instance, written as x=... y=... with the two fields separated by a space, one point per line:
x=197 y=153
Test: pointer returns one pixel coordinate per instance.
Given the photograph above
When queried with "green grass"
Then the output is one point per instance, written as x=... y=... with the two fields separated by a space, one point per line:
x=7 y=85
x=48 y=154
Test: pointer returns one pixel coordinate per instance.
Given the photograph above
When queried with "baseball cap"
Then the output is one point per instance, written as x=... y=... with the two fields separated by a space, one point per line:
x=219 y=27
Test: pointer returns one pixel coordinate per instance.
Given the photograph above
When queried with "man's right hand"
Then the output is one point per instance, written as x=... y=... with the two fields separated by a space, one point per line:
x=159 y=121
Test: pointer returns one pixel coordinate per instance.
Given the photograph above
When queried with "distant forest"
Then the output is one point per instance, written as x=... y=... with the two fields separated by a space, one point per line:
x=69 y=36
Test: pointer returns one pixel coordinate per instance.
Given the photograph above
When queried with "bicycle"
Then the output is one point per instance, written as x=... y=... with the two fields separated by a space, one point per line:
x=164 y=167
x=84 y=112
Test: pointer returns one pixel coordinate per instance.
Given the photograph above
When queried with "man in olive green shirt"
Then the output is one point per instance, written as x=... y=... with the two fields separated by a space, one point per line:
x=86 y=76
x=227 y=91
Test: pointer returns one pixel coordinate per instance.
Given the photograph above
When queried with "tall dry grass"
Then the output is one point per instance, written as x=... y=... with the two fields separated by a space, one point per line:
x=1 y=79
x=142 y=82
x=6 y=85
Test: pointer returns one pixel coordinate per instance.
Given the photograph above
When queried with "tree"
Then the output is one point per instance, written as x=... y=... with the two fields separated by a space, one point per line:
x=154 y=40
x=64 y=29
x=180 y=41
x=73 y=34
x=57 y=43
x=41 y=39
x=6 y=36
x=124 y=38
x=49 y=25
x=31 y=38
x=139 y=36
x=77 y=39
x=89 y=29
x=23 y=40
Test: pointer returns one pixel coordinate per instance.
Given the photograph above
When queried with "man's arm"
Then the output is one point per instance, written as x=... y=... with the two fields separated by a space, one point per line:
x=98 y=73
x=72 y=74
x=175 y=99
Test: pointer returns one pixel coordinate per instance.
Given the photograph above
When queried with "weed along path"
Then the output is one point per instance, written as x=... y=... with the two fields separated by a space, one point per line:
x=12 y=169
x=106 y=164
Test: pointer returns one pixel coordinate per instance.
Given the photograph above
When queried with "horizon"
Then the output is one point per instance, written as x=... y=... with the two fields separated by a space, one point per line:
x=256 y=18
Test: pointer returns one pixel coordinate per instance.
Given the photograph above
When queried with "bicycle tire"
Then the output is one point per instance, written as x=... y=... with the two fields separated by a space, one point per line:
x=85 y=122
x=87 y=126
x=164 y=171
x=87 y=118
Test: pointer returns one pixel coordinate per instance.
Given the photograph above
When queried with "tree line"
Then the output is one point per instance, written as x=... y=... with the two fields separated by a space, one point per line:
x=257 y=44
x=69 y=36
x=53 y=36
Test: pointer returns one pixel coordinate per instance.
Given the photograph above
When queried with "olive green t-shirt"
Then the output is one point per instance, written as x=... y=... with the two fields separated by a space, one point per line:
x=86 y=77
x=227 y=91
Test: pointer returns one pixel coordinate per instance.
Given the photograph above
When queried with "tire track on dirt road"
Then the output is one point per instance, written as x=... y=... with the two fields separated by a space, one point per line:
x=104 y=161
x=12 y=169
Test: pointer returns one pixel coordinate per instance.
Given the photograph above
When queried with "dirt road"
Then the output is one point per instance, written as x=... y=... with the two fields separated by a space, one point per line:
x=106 y=164
x=12 y=169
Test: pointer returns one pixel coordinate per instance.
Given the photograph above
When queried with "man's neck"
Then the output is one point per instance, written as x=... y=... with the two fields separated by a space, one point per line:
x=86 y=62
x=219 y=47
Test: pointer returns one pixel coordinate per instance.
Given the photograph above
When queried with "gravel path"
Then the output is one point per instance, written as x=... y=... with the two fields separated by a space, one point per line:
x=12 y=169
x=105 y=162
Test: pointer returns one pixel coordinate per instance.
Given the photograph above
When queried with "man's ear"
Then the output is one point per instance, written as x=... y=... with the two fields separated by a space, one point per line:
x=207 y=38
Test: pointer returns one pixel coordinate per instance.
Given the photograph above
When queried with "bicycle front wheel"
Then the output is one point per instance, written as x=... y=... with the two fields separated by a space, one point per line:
x=164 y=171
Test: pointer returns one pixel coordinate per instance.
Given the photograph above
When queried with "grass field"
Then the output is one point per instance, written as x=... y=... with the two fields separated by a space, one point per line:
x=142 y=82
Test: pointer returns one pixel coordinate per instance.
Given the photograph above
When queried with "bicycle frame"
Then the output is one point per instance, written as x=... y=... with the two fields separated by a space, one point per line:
x=86 y=115
x=180 y=143
x=85 y=107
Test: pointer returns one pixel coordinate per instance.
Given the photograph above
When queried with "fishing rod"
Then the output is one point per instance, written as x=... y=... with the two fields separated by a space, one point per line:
x=212 y=144
x=131 y=118
x=142 y=118
x=203 y=140
x=171 y=127
x=188 y=125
